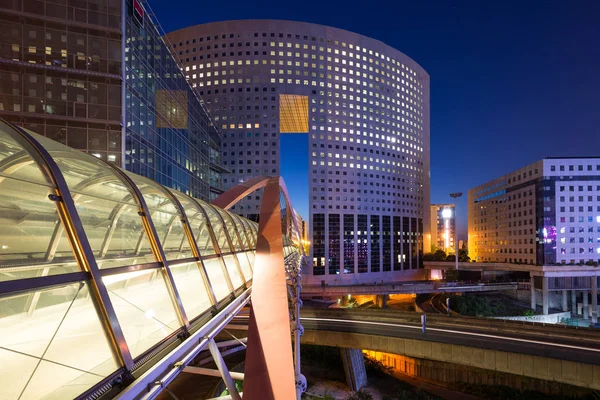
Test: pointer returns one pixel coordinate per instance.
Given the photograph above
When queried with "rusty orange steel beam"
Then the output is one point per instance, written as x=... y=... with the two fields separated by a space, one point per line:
x=269 y=367
x=238 y=192
x=235 y=194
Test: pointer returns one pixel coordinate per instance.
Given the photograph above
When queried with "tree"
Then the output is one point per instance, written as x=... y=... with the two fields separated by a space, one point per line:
x=463 y=255
x=439 y=255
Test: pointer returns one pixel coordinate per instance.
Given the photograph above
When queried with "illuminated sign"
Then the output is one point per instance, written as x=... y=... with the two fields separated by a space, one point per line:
x=138 y=12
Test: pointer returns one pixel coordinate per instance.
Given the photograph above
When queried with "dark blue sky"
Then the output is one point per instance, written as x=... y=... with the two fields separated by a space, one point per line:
x=511 y=81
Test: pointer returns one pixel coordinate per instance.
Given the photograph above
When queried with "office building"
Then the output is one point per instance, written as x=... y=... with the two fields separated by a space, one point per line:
x=545 y=213
x=443 y=227
x=98 y=77
x=365 y=108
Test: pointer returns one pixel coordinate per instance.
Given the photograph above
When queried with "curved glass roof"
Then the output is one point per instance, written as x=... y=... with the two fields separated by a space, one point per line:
x=100 y=267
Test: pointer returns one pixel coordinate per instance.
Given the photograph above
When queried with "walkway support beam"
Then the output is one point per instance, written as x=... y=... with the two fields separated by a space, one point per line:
x=269 y=368
x=223 y=370
x=272 y=368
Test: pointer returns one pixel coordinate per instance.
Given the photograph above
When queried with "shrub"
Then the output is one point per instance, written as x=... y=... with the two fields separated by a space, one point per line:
x=360 y=395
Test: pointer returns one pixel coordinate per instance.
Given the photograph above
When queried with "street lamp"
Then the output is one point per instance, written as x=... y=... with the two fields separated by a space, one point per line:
x=455 y=196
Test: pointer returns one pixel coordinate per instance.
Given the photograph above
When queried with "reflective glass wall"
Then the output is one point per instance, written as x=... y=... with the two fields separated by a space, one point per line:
x=169 y=136
x=71 y=71
x=99 y=267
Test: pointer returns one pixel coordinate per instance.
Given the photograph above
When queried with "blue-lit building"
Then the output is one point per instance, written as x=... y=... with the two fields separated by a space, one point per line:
x=169 y=136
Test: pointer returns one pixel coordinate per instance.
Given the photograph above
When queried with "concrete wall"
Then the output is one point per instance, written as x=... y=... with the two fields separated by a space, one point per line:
x=524 y=296
x=442 y=372
x=545 y=368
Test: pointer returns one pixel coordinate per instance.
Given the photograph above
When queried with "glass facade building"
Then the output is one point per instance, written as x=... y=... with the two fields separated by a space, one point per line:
x=95 y=77
x=365 y=109
x=102 y=269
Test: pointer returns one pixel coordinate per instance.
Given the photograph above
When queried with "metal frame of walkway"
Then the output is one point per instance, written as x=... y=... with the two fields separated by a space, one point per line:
x=111 y=284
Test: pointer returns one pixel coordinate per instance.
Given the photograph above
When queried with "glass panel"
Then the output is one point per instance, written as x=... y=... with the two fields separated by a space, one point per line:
x=241 y=229
x=52 y=344
x=197 y=222
x=115 y=232
x=236 y=280
x=217 y=226
x=166 y=218
x=251 y=255
x=249 y=232
x=106 y=206
x=15 y=162
x=190 y=285
x=245 y=264
x=32 y=239
x=217 y=279
x=231 y=228
x=143 y=306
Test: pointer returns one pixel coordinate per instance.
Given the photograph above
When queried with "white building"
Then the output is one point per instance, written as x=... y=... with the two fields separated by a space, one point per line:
x=365 y=108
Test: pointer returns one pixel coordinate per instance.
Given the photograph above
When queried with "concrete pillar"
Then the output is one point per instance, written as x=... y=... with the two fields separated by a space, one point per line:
x=354 y=368
x=381 y=300
x=594 y=299
x=545 y=295
x=573 y=303
x=585 y=304
x=533 y=300
x=565 y=305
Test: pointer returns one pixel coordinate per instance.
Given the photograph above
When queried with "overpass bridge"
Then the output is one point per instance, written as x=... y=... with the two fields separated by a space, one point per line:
x=416 y=287
x=563 y=354
x=111 y=284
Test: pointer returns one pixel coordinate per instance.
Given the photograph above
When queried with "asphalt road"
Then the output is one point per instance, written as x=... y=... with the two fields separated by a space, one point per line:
x=519 y=341
x=579 y=345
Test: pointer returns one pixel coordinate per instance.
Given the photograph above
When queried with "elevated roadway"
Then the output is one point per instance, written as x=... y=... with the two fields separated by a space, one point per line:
x=563 y=354
x=417 y=287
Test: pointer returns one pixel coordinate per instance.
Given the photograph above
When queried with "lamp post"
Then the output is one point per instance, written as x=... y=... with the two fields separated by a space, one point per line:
x=455 y=196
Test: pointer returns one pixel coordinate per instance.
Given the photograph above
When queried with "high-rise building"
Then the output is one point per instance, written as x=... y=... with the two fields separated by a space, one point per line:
x=443 y=227
x=545 y=213
x=98 y=77
x=365 y=108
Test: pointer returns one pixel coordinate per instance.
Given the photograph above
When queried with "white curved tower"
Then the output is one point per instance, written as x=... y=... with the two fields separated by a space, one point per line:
x=365 y=108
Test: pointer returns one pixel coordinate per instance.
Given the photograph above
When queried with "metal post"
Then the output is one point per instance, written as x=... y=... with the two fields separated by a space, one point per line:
x=215 y=242
x=573 y=303
x=533 y=299
x=455 y=196
x=423 y=322
x=594 y=299
x=216 y=354
x=545 y=295
x=448 y=305
x=231 y=246
x=155 y=244
x=189 y=234
x=585 y=305
x=565 y=305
